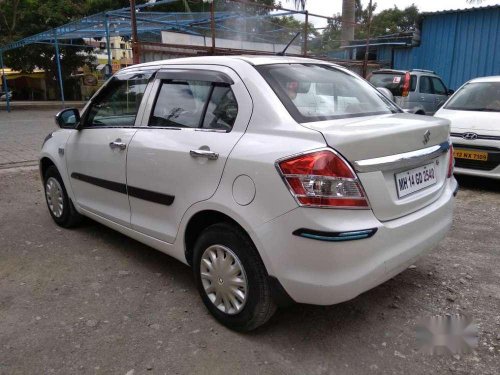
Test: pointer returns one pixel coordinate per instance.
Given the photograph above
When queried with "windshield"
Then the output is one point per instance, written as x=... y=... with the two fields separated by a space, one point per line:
x=316 y=92
x=391 y=81
x=477 y=96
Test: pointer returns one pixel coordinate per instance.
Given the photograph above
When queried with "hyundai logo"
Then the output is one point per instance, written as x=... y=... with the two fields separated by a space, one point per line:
x=469 y=136
x=427 y=137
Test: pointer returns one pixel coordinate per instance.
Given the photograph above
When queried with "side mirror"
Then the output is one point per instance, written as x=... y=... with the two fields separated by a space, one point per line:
x=68 y=118
x=386 y=92
x=450 y=91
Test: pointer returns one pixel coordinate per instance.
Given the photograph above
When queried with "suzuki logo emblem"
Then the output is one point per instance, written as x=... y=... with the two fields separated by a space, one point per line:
x=469 y=136
x=427 y=137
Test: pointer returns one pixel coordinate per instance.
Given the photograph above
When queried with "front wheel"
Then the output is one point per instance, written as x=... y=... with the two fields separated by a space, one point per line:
x=231 y=278
x=58 y=202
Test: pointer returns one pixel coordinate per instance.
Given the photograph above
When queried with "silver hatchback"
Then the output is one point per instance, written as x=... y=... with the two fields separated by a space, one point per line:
x=417 y=91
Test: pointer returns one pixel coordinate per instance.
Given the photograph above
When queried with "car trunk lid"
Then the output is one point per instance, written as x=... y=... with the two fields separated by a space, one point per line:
x=381 y=147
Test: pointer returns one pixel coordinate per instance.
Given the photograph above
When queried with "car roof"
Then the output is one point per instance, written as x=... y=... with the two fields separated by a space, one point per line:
x=413 y=71
x=380 y=71
x=486 y=79
x=229 y=60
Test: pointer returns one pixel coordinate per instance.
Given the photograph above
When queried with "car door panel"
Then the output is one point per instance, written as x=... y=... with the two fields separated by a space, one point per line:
x=96 y=154
x=173 y=161
x=97 y=172
x=440 y=93
x=426 y=97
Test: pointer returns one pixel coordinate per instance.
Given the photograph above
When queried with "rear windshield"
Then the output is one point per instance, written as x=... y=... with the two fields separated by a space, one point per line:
x=391 y=81
x=317 y=92
x=477 y=96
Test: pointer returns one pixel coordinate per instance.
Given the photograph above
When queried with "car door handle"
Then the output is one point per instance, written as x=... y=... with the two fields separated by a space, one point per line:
x=210 y=155
x=117 y=144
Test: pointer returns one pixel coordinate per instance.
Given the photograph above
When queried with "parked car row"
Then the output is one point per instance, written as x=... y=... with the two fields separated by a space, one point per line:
x=474 y=113
x=417 y=91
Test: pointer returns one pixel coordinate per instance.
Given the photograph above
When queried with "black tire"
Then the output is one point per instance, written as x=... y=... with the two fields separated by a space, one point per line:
x=259 y=305
x=69 y=217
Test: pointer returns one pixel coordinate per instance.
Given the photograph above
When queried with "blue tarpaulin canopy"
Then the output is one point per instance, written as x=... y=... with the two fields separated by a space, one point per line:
x=118 y=23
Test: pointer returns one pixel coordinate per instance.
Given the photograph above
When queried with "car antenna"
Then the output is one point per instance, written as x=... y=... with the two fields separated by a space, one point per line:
x=282 y=53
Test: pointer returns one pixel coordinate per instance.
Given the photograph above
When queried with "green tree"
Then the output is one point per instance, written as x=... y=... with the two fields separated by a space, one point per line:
x=388 y=21
x=23 y=18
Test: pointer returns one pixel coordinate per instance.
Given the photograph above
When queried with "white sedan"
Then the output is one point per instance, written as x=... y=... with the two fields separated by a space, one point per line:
x=237 y=167
x=474 y=112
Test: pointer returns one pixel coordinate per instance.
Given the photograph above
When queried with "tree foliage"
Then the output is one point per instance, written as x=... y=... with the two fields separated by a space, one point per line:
x=388 y=21
x=23 y=18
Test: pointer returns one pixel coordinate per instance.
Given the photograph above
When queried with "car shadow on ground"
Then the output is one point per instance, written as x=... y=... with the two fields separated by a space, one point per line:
x=478 y=183
x=141 y=256
x=351 y=317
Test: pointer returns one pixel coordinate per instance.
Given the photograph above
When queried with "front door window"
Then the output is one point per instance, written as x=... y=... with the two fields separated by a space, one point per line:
x=118 y=103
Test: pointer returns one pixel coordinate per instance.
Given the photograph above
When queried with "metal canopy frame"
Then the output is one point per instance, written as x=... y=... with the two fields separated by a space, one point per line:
x=118 y=23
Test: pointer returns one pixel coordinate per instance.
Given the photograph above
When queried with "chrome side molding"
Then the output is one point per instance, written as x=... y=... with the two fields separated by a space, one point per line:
x=407 y=159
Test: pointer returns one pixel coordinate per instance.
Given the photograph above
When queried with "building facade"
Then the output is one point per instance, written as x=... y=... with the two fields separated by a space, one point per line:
x=457 y=44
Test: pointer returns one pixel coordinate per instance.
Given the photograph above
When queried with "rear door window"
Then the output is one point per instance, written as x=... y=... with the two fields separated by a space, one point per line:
x=195 y=104
x=222 y=109
x=413 y=82
x=426 y=85
x=180 y=104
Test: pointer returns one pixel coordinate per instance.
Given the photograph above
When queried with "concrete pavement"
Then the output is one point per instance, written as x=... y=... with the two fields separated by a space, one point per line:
x=92 y=301
x=21 y=135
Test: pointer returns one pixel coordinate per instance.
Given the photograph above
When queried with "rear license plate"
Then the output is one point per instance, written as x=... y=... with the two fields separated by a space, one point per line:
x=416 y=179
x=470 y=155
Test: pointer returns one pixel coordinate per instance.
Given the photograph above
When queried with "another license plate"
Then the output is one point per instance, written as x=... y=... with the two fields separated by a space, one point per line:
x=416 y=179
x=470 y=155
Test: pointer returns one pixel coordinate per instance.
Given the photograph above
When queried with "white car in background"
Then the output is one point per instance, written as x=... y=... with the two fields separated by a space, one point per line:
x=235 y=166
x=474 y=112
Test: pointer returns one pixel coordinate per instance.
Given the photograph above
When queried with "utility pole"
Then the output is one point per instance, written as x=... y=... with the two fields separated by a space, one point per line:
x=365 y=61
x=306 y=32
x=135 y=39
x=212 y=24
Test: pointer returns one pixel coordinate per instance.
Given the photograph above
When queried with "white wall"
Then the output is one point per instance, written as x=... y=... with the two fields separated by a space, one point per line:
x=168 y=37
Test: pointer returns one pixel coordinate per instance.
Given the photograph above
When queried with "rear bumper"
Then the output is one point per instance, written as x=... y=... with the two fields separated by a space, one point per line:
x=324 y=273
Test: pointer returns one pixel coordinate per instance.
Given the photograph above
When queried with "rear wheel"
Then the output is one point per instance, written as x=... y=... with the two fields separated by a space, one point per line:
x=231 y=278
x=58 y=202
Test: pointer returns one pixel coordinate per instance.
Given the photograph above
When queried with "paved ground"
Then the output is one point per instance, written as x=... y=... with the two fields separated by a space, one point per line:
x=91 y=301
x=21 y=135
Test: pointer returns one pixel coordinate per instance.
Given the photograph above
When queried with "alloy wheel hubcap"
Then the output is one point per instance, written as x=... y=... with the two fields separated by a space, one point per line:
x=224 y=279
x=53 y=192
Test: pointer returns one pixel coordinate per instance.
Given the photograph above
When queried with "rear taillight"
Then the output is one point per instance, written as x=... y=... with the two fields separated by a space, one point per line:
x=322 y=179
x=451 y=162
x=406 y=85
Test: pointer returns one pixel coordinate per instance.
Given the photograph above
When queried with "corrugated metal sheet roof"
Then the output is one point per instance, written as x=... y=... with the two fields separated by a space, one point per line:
x=424 y=14
x=377 y=44
x=457 y=45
